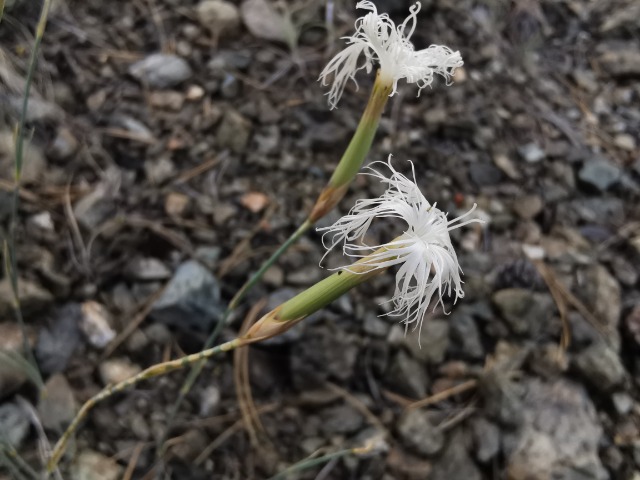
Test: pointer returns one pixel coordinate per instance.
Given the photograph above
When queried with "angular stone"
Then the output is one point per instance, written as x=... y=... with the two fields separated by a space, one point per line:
x=433 y=343
x=465 y=335
x=418 y=433
x=455 y=462
x=486 y=438
x=218 y=16
x=14 y=424
x=531 y=152
x=559 y=437
x=116 y=370
x=621 y=62
x=407 y=376
x=90 y=465
x=191 y=300
x=528 y=206
x=147 y=269
x=96 y=325
x=234 y=131
x=601 y=366
x=161 y=70
x=57 y=342
x=264 y=22
x=603 y=295
x=599 y=173
x=33 y=298
x=57 y=407
x=526 y=312
x=341 y=420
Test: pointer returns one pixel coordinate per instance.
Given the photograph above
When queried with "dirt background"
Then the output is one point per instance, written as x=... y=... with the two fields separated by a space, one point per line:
x=174 y=145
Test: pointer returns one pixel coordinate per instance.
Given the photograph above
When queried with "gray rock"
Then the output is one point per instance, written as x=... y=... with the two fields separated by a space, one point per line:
x=158 y=334
x=621 y=62
x=321 y=354
x=341 y=419
x=433 y=343
x=96 y=325
x=218 y=16
x=455 y=462
x=625 y=141
x=233 y=132
x=194 y=443
x=622 y=402
x=305 y=276
x=501 y=398
x=160 y=70
x=99 y=204
x=191 y=300
x=418 y=433
x=57 y=407
x=12 y=375
x=139 y=426
x=375 y=326
x=486 y=439
x=116 y=370
x=209 y=399
x=57 y=342
x=230 y=86
x=229 y=60
x=33 y=298
x=147 y=268
x=407 y=376
x=528 y=206
x=531 y=152
x=90 y=465
x=14 y=424
x=601 y=366
x=559 y=437
x=465 y=335
x=602 y=294
x=159 y=169
x=526 y=312
x=599 y=173
x=484 y=174
x=64 y=145
x=264 y=21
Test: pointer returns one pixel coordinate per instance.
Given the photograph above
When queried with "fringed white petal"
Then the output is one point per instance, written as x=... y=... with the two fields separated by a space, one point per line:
x=380 y=40
x=426 y=260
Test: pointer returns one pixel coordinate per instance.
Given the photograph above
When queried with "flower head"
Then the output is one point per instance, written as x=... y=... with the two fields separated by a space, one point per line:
x=378 y=38
x=426 y=258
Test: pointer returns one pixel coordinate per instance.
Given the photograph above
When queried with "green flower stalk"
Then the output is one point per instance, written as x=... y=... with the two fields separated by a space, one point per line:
x=355 y=153
x=427 y=266
x=380 y=41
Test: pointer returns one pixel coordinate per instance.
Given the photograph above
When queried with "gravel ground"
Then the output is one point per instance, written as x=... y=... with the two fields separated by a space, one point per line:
x=174 y=145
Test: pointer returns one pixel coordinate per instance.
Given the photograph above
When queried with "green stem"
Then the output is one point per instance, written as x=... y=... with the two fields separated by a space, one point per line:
x=197 y=368
x=12 y=266
x=362 y=139
x=347 y=168
x=310 y=463
x=152 y=371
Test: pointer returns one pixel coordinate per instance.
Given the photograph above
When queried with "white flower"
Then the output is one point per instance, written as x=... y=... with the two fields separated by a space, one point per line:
x=426 y=258
x=378 y=38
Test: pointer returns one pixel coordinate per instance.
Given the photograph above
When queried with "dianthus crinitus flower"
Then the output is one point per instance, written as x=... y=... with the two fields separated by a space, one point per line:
x=427 y=261
x=380 y=40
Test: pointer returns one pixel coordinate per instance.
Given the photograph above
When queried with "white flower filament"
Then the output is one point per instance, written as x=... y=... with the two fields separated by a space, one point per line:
x=378 y=38
x=424 y=253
